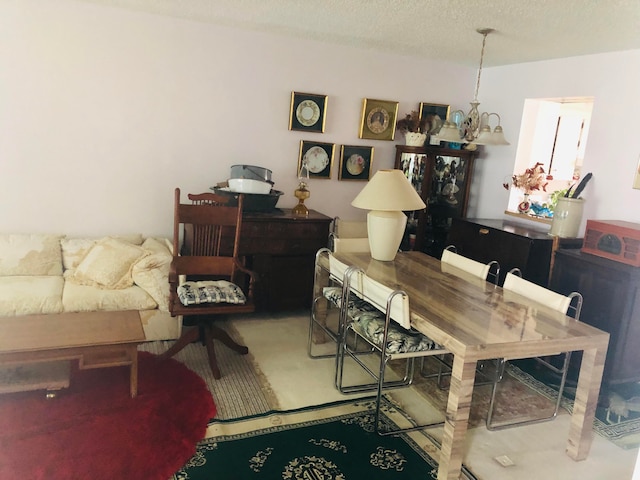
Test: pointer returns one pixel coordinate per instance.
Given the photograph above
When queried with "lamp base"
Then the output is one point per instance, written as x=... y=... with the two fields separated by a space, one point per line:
x=301 y=193
x=385 y=230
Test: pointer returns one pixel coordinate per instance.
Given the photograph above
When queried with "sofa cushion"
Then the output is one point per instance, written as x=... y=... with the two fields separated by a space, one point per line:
x=152 y=272
x=75 y=249
x=30 y=254
x=108 y=264
x=86 y=298
x=27 y=295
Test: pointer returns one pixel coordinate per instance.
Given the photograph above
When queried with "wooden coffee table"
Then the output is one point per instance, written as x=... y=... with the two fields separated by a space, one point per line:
x=95 y=339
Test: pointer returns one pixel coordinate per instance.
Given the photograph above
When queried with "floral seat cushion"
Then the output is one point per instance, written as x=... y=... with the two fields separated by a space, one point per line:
x=207 y=291
x=369 y=322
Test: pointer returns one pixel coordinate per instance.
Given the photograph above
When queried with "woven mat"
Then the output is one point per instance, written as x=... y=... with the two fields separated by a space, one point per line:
x=243 y=389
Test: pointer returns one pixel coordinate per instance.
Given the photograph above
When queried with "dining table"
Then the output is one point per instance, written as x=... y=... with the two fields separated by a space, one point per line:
x=476 y=320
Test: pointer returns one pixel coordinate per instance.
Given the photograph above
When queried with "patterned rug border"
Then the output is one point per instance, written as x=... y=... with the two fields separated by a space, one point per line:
x=220 y=430
x=628 y=431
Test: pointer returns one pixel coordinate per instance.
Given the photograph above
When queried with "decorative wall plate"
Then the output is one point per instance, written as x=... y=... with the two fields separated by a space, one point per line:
x=355 y=164
x=316 y=159
x=308 y=113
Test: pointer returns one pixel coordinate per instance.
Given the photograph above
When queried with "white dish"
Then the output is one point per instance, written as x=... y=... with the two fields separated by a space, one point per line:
x=316 y=159
x=247 y=185
x=308 y=113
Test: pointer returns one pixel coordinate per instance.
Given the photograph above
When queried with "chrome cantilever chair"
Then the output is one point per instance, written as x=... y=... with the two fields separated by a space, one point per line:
x=348 y=236
x=217 y=281
x=345 y=236
x=378 y=315
x=570 y=305
x=453 y=262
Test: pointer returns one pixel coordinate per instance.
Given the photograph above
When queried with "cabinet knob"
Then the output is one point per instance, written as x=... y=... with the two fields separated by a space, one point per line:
x=483 y=231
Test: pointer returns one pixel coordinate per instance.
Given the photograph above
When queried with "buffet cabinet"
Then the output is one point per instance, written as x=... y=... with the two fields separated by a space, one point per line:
x=611 y=293
x=511 y=244
x=442 y=178
x=281 y=248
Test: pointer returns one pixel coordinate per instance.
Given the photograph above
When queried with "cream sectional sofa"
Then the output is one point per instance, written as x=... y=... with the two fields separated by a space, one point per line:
x=45 y=274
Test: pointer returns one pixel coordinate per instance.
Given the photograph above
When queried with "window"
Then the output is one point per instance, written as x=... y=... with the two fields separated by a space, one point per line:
x=554 y=133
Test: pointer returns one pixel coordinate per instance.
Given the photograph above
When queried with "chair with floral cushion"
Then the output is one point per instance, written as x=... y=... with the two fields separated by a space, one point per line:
x=207 y=278
x=380 y=316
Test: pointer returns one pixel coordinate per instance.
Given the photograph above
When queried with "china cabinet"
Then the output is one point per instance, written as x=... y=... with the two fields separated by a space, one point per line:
x=442 y=177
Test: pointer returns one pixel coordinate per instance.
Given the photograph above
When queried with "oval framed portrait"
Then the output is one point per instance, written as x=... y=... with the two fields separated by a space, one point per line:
x=378 y=121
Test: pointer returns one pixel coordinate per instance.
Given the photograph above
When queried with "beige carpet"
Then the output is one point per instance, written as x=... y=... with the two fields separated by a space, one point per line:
x=279 y=345
x=243 y=389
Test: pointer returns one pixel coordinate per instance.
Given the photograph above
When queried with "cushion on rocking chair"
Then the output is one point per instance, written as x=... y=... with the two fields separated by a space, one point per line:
x=369 y=322
x=208 y=291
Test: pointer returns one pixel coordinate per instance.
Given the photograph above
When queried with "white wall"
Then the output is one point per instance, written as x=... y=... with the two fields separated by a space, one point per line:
x=612 y=151
x=105 y=111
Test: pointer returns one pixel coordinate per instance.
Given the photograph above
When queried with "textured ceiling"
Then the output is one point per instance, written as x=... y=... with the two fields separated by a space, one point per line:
x=526 y=30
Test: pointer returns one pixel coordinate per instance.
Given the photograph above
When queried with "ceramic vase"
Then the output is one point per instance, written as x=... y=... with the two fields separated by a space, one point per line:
x=567 y=216
x=414 y=139
x=525 y=204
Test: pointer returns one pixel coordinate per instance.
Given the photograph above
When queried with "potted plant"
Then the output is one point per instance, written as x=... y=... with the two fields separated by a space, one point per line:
x=413 y=129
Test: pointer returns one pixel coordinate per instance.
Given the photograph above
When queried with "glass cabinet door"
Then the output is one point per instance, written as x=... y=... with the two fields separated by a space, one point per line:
x=441 y=176
x=448 y=185
x=414 y=166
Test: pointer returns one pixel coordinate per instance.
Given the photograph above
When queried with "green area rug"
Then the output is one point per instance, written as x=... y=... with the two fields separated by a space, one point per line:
x=334 y=441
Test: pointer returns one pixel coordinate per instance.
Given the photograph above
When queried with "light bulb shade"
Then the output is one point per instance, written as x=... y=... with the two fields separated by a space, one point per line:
x=388 y=190
x=485 y=136
x=450 y=133
x=497 y=137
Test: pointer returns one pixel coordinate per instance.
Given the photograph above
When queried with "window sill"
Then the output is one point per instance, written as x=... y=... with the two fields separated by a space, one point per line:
x=527 y=216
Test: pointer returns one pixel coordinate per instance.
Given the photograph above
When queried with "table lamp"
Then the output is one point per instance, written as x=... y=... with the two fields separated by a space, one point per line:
x=387 y=195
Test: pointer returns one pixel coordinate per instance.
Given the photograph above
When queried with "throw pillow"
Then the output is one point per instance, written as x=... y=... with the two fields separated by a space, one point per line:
x=108 y=264
x=208 y=291
x=152 y=272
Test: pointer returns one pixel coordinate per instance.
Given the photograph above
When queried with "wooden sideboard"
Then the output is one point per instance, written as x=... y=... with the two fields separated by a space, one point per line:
x=281 y=248
x=512 y=244
x=611 y=292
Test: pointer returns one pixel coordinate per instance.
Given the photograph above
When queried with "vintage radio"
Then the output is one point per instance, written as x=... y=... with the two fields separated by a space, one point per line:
x=613 y=239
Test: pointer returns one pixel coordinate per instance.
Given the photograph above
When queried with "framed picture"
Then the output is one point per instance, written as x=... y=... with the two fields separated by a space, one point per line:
x=378 y=120
x=435 y=114
x=308 y=112
x=318 y=157
x=355 y=162
x=636 y=178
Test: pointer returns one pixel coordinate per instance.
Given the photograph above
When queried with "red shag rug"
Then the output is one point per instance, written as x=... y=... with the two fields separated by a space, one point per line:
x=95 y=430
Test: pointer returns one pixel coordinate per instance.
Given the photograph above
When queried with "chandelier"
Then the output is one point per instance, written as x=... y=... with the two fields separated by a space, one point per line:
x=474 y=127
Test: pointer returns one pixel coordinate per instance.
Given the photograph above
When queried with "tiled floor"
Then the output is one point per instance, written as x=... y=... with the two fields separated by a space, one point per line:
x=278 y=344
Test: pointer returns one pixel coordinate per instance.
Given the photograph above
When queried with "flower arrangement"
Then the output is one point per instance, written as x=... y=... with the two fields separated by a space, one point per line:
x=411 y=123
x=533 y=178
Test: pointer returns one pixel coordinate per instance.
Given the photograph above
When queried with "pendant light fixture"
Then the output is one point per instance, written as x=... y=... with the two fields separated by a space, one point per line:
x=475 y=127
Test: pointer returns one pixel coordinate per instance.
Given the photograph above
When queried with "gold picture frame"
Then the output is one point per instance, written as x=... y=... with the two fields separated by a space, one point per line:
x=378 y=121
x=307 y=112
x=636 y=178
x=318 y=157
x=355 y=162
